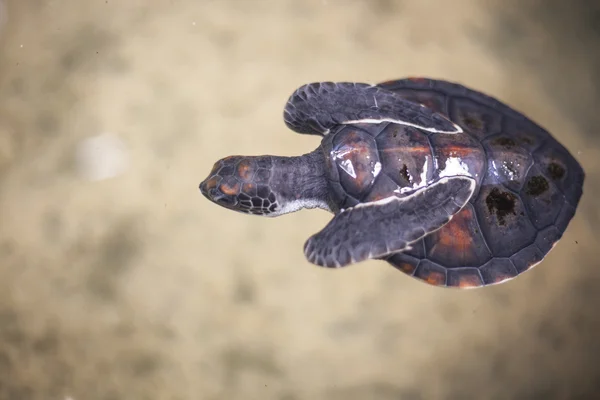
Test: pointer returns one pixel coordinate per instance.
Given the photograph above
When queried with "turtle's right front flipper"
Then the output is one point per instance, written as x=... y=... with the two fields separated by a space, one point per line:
x=377 y=229
x=315 y=108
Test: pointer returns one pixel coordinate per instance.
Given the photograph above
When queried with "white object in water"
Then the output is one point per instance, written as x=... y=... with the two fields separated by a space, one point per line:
x=101 y=157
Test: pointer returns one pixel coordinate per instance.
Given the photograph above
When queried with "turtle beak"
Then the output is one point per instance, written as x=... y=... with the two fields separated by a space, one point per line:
x=203 y=188
x=211 y=182
x=208 y=187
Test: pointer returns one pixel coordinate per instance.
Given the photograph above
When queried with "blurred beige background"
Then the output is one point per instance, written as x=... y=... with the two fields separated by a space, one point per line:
x=136 y=287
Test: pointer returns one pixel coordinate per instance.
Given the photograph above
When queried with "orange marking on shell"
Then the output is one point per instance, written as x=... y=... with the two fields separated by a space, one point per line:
x=244 y=170
x=469 y=281
x=408 y=149
x=456 y=236
x=406 y=268
x=247 y=187
x=230 y=190
x=435 y=278
x=457 y=151
x=363 y=175
x=355 y=146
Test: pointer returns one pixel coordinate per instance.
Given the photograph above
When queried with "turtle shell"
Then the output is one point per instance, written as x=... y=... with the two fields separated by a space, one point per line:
x=528 y=185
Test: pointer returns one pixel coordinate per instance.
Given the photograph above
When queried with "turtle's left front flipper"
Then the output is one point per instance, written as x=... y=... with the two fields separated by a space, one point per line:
x=377 y=229
x=317 y=107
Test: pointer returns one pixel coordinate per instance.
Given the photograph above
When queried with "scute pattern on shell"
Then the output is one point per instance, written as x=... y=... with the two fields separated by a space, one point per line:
x=527 y=197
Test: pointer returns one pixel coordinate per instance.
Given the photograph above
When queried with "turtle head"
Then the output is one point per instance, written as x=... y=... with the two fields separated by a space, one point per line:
x=242 y=184
x=266 y=185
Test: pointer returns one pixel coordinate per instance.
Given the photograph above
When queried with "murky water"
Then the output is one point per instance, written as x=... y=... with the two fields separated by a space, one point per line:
x=118 y=280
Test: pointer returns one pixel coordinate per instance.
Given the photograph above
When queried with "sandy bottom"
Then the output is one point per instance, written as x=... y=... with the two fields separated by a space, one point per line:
x=136 y=287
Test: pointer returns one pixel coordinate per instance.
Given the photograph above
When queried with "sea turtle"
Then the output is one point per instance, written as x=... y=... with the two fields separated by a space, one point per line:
x=443 y=182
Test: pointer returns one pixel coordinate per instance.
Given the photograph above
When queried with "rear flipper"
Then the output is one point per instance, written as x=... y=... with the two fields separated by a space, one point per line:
x=377 y=229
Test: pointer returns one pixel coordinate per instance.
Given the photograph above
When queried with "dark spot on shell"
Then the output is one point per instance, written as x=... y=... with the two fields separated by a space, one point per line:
x=404 y=173
x=556 y=171
x=500 y=203
x=537 y=185
x=472 y=122
x=505 y=142
x=527 y=140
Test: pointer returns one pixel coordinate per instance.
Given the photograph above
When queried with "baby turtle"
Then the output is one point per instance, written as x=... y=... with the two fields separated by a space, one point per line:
x=443 y=182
